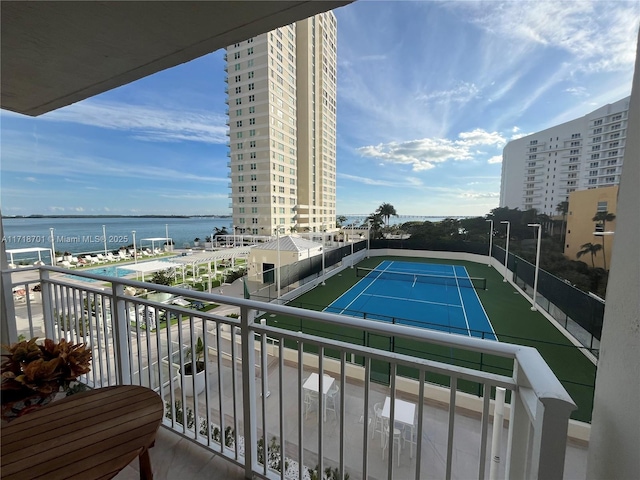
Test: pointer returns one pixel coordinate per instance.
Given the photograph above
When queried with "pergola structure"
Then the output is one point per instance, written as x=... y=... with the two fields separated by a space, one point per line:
x=209 y=258
x=150 y=267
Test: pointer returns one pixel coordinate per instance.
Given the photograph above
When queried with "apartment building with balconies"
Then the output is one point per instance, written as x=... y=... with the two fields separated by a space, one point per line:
x=281 y=89
x=541 y=170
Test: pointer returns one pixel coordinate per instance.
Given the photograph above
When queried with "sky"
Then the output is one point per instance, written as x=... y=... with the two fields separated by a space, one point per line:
x=429 y=93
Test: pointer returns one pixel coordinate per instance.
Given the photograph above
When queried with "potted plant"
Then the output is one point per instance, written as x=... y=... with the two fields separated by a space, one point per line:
x=187 y=377
x=33 y=373
x=196 y=241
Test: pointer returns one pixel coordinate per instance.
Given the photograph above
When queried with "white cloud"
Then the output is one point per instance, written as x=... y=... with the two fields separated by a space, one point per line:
x=600 y=36
x=424 y=154
x=146 y=123
x=31 y=179
x=475 y=195
x=407 y=182
x=577 y=91
x=461 y=93
x=495 y=159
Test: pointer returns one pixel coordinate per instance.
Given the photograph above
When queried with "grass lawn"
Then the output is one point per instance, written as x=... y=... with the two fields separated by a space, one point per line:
x=509 y=313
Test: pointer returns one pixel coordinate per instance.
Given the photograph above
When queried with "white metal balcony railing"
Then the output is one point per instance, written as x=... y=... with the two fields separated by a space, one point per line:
x=235 y=416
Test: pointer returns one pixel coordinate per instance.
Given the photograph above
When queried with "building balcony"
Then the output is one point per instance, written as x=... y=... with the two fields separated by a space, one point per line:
x=255 y=387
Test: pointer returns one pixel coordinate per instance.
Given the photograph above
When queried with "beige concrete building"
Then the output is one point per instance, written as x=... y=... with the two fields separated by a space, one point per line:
x=581 y=229
x=283 y=251
x=282 y=128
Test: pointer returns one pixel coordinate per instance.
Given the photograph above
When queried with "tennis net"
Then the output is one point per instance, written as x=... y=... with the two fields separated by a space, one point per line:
x=451 y=281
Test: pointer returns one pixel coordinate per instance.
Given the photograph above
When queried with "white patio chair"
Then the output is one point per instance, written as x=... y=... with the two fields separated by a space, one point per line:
x=397 y=436
x=332 y=396
x=378 y=421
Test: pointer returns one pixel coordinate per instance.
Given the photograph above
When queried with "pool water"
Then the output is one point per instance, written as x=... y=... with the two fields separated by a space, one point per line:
x=112 y=271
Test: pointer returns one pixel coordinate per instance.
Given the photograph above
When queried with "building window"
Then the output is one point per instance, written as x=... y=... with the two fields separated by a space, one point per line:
x=253 y=166
x=575 y=135
x=254 y=199
x=574 y=152
x=597 y=130
x=252 y=144
x=238 y=134
x=595 y=148
x=613 y=153
x=239 y=123
x=236 y=67
x=593 y=181
x=236 y=55
x=252 y=121
x=250 y=51
x=252 y=133
x=239 y=146
x=598 y=122
x=250 y=75
x=238 y=101
x=252 y=98
x=251 y=86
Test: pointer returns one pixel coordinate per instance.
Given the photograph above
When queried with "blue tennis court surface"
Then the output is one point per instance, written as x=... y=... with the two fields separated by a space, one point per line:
x=435 y=296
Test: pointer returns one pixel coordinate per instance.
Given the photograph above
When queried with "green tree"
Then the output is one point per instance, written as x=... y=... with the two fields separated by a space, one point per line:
x=162 y=277
x=375 y=219
x=602 y=218
x=386 y=211
x=590 y=248
x=563 y=208
x=340 y=219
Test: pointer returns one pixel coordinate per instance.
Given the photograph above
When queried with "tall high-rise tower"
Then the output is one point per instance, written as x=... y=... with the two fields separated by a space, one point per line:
x=282 y=128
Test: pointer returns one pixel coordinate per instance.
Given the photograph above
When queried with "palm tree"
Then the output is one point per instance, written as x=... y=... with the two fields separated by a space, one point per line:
x=340 y=219
x=602 y=218
x=591 y=248
x=386 y=210
x=563 y=208
x=375 y=219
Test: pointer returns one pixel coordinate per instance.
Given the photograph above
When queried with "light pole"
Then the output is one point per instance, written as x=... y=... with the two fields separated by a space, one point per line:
x=53 y=249
x=166 y=234
x=368 y=236
x=234 y=235
x=506 y=257
x=351 y=241
x=104 y=238
x=135 y=251
x=323 y=231
x=278 y=263
x=535 y=280
x=490 y=241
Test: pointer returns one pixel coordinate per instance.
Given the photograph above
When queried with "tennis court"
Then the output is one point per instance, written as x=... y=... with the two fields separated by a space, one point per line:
x=436 y=296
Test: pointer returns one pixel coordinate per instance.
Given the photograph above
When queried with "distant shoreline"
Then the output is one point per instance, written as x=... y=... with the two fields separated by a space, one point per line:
x=116 y=216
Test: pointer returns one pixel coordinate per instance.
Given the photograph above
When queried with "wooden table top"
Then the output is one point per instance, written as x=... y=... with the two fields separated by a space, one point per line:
x=89 y=435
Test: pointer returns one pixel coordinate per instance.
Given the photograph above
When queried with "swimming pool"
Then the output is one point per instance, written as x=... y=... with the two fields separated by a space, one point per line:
x=112 y=271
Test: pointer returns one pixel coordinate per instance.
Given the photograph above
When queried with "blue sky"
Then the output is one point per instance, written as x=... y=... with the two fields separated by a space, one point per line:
x=428 y=95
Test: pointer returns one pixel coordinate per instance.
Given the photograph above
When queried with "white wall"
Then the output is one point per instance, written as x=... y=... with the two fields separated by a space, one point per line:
x=615 y=428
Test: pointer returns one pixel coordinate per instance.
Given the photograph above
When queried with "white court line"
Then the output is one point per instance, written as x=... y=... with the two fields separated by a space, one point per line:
x=482 y=306
x=412 y=300
x=464 y=310
x=364 y=290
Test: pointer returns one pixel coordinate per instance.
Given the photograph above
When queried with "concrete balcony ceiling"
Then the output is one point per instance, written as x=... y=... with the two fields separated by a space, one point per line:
x=58 y=53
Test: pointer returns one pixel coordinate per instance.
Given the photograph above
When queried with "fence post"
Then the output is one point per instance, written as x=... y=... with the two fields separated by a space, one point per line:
x=247 y=317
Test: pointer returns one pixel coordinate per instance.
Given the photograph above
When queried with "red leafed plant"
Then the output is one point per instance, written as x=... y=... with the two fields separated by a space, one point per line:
x=42 y=368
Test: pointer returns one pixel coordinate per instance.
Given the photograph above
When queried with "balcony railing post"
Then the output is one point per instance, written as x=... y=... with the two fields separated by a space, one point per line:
x=8 y=328
x=47 y=304
x=121 y=335
x=247 y=317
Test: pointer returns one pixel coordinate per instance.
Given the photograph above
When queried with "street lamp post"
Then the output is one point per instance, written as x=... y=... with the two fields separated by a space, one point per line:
x=135 y=250
x=323 y=232
x=368 y=236
x=506 y=257
x=278 y=263
x=351 y=241
x=535 y=280
x=490 y=241
x=53 y=249
x=166 y=234
x=104 y=238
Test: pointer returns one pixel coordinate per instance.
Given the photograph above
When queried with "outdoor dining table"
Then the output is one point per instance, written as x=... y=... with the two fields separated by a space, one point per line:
x=88 y=435
x=404 y=413
x=313 y=384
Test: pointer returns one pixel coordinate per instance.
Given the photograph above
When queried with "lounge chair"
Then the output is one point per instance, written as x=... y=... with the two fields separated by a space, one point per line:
x=157 y=251
x=91 y=260
x=147 y=253
x=102 y=258
x=123 y=255
x=67 y=264
x=111 y=258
